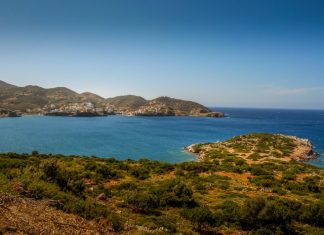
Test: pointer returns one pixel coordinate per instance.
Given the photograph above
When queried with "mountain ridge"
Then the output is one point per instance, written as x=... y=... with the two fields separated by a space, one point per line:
x=33 y=99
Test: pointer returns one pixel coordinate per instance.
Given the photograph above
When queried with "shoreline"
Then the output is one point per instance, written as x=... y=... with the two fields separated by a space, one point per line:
x=120 y=115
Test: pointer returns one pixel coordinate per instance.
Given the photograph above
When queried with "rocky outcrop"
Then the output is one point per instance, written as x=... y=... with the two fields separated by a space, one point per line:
x=8 y=113
x=257 y=147
x=76 y=114
x=304 y=150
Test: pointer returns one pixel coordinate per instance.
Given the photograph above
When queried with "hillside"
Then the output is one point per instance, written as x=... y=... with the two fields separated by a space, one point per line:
x=166 y=106
x=33 y=97
x=21 y=215
x=61 y=101
x=226 y=192
x=126 y=103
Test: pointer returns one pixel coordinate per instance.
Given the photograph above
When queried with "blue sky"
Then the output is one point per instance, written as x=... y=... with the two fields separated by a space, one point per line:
x=239 y=53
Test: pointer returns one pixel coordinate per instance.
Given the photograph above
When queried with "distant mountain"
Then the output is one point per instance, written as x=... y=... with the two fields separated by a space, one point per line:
x=63 y=101
x=179 y=107
x=33 y=97
x=162 y=106
x=126 y=102
x=4 y=85
x=93 y=98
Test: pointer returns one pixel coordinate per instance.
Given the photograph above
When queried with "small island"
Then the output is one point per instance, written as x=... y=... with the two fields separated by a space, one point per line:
x=249 y=184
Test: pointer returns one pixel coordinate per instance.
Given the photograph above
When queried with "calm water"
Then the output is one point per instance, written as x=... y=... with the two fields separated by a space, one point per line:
x=158 y=138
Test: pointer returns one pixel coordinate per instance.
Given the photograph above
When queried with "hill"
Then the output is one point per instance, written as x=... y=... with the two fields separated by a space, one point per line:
x=229 y=191
x=126 y=103
x=63 y=101
x=166 y=106
x=4 y=85
x=33 y=97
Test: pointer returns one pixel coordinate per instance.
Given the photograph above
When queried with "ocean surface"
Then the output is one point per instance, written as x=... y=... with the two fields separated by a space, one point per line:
x=158 y=138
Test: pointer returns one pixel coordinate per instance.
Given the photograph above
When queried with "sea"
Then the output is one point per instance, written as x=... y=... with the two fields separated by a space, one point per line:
x=156 y=138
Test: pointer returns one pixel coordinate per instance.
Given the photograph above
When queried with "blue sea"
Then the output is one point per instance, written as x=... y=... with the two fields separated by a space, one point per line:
x=158 y=138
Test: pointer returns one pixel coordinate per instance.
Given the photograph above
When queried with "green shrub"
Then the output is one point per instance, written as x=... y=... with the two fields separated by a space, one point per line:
x=140 y=173
x=105 y=172
x=87 y=209
x=117 y=222
x=271 y=213
x=313 y=214
x=142 y=202
x=200 y=217
x=230 y=212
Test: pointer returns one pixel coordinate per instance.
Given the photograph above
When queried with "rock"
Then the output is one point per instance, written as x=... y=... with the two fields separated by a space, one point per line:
x=102 y=197
x=89 y=182
x=215 y=114
x=18 y=187
x=9 y=113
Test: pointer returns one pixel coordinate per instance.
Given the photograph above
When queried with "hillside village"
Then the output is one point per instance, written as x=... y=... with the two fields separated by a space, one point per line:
x=62 y=101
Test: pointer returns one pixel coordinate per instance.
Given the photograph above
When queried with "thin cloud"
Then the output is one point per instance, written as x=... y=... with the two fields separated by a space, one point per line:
x=291 y=91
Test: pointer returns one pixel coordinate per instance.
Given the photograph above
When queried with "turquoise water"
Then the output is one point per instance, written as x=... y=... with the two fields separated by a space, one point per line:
x=158 y=138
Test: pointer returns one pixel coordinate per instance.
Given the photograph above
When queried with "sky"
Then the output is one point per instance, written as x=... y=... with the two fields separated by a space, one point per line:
x=225 y=53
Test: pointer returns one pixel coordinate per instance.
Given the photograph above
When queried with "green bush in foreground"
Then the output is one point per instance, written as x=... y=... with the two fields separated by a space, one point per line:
x=201 y=196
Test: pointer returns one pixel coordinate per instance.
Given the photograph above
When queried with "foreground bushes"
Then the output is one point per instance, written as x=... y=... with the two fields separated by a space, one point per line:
x=200 y=217
x=173 y=193
x=204 y=196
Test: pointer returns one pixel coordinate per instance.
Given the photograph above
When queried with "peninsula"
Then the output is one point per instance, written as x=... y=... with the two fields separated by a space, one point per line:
x=62 y=101
x=250 y=184
x=258 y=147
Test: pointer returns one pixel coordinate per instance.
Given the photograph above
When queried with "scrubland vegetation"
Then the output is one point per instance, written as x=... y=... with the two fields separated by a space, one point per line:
x=223 y=194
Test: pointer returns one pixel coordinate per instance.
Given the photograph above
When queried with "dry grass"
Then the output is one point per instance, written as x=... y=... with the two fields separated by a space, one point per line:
x=27 y=216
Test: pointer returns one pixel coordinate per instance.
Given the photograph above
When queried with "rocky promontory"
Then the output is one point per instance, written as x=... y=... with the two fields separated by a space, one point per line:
x=257 y=147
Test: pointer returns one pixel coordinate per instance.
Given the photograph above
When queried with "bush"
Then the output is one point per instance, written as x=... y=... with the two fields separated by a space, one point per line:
x=259 y=170
x=313 y=214
x=142 y=202
x=312 y=184
x=175 y=193
x=127 y=186
x=200 y=217
x=230 y=212
x=87 y=209
x=273 y=213
x=140 y=173
x=50 y=170
x=116 y=222
x=106 y=172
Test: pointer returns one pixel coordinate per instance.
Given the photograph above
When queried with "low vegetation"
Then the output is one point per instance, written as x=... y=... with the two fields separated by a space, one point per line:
x=224 y=194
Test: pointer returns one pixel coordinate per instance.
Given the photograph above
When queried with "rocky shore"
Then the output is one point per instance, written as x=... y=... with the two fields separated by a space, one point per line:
x=304 y=150
x=8 y=113
x=77 y=114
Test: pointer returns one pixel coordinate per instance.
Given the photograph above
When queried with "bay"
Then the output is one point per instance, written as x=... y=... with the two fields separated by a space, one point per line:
x=156 y=138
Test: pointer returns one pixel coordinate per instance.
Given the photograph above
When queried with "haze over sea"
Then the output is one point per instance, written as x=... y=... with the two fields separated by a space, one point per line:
x=156 y=138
